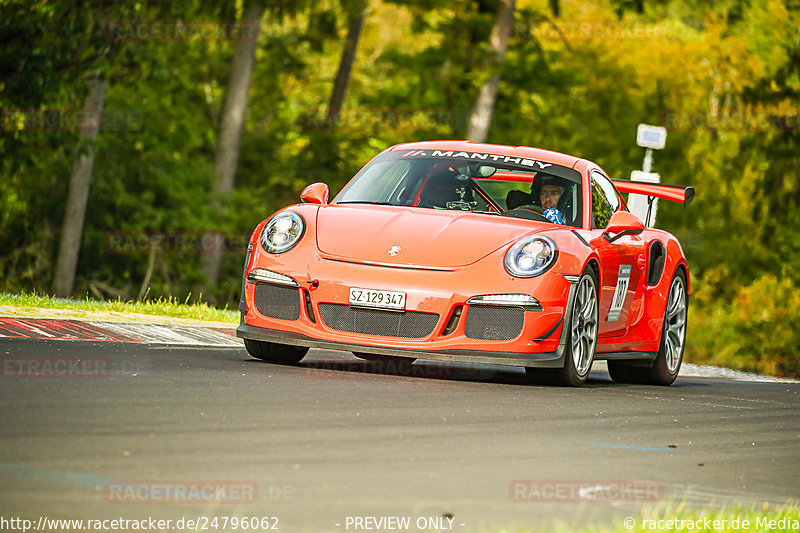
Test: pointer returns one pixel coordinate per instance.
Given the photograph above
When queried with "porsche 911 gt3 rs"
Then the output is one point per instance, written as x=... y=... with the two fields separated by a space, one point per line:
x=458 y=251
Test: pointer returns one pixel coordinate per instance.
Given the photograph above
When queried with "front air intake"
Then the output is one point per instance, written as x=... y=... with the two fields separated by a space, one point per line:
x=408 y=325
x=277 y=301
x=494 y=323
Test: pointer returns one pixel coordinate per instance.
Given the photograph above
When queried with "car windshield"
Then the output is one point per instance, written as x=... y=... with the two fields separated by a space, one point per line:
x=445 y=183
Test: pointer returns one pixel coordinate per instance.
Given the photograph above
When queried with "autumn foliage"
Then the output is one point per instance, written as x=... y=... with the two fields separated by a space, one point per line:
x=722 y=77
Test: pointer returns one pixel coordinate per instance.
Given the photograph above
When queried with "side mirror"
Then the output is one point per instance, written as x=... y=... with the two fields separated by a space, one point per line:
x=316 y=193
x=622 y=223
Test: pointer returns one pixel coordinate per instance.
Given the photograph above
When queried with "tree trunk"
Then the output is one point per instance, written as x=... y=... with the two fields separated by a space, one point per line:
x=226 y=157
x=481 y=116
x=355 y=24
x=75 y=212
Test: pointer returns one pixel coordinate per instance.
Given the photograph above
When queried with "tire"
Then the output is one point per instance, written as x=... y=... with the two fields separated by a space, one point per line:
x=584 y=322
x=377 y=358
x=275 y=353
x=667 y=363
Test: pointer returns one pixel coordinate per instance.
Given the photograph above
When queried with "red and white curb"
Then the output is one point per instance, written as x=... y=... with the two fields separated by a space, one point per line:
x=174 y=335
x=79 y=330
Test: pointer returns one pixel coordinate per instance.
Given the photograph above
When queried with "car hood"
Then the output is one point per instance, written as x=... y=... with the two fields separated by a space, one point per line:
x=425 y=237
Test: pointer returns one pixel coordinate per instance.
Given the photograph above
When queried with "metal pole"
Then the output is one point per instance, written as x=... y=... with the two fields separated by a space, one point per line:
x=647 y=166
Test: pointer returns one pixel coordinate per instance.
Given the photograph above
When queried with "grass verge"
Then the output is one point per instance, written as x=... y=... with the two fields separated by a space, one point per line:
x=167 y=307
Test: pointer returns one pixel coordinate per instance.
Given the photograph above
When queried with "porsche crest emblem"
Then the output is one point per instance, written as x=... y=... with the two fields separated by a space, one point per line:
x=394 y=250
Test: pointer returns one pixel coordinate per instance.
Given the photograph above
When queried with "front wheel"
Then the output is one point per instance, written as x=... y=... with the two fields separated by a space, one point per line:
x=582 y=338
x=673 y=340
x=275 y=353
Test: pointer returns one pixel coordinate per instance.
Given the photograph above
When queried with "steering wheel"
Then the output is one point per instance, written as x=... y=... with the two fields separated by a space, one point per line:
x=529 y=211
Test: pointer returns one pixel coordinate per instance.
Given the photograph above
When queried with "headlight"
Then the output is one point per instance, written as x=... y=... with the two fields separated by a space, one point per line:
x=531 y=256
x=282 y=232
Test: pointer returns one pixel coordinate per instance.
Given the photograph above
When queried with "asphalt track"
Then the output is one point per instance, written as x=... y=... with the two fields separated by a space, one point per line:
x=338 y=437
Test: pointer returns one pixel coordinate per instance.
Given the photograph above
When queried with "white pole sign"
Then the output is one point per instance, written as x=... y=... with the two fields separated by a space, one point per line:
x=652 y=138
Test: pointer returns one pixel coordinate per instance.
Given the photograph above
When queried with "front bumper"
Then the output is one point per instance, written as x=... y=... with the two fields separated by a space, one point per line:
x=540 y=343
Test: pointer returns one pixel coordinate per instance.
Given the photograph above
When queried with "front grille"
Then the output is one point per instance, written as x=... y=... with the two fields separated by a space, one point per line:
x=408 y=325
x=276 y=301
x=494 y=323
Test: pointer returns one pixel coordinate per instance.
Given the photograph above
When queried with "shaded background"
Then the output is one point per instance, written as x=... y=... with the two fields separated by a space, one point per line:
x=577 y=77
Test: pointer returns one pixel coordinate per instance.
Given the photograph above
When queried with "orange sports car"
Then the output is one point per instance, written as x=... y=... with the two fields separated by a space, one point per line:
x=457 y=251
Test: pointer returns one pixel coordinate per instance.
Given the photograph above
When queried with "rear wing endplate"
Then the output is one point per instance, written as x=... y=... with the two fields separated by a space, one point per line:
x=674 y=193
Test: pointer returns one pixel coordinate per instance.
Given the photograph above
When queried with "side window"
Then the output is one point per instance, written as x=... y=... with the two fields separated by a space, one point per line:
x=604 y=200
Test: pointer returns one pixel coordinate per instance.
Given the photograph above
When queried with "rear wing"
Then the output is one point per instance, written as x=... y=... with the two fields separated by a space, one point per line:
x=674 y=193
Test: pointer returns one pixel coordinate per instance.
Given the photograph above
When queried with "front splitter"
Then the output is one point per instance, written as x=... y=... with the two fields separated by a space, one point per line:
x=538 y=360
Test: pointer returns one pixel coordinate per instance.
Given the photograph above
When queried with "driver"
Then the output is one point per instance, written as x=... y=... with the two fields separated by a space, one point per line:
x=550 y=193
x=546 y=191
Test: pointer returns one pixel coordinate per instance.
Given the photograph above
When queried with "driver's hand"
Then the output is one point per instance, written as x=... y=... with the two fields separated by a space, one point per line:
x=554 y=215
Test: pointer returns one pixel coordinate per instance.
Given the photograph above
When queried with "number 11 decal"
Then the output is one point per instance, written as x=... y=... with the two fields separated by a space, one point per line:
x=623 y=280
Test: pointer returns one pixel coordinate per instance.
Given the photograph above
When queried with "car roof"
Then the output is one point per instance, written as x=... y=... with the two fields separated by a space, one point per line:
x=527 y=152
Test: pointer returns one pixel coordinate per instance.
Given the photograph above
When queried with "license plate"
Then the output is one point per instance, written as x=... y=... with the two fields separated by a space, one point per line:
x=377 y=299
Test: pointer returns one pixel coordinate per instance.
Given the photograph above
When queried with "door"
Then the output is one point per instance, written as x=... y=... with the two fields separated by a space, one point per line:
x=621 y=261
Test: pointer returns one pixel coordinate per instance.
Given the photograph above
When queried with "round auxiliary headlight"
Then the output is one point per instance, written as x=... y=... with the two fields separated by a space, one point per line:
x=531 y=256
x=282 y=232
